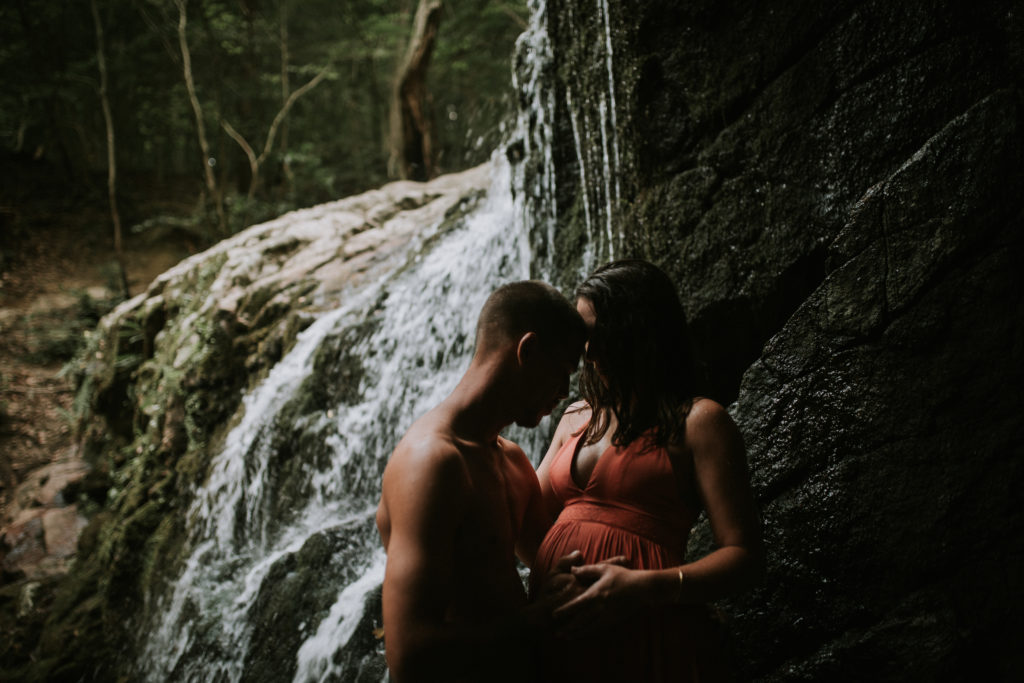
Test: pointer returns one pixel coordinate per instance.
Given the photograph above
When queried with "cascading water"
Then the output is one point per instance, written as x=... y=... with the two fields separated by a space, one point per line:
x=534 y=176
x=591 y=123
x=404 y=342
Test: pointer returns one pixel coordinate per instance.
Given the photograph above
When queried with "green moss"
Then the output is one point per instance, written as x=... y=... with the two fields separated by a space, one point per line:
x=134 y=393
x=23 y=608
x=162 y=552
x=89 y=539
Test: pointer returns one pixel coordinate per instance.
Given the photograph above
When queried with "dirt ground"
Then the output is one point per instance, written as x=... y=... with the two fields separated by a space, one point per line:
x=58 y=275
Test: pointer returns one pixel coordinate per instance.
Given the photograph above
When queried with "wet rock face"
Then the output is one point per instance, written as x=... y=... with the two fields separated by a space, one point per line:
x=309 y=579
x=745 y=134
x=835 y=189
x=884 y=417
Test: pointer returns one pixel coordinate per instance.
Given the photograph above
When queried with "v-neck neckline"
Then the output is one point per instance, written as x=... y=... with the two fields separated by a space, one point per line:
x=572 y=463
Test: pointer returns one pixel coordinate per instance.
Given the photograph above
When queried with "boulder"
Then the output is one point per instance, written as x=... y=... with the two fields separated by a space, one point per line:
x=160 y=382
x=40 y=529
x=23 y=544
x=61 y=528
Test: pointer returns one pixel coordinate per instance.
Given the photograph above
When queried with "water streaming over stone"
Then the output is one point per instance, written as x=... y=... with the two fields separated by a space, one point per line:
x=591 y=121
x=298 y=477
x=534 y=173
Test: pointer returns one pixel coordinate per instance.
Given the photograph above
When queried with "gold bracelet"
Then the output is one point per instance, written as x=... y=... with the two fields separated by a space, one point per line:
x=679 y=591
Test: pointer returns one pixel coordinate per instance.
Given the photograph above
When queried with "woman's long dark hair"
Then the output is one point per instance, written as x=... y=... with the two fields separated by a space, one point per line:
x=643 y=346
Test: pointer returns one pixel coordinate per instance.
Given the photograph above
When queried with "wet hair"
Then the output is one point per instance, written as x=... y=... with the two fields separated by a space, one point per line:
x=516 y=308
x=643 y=346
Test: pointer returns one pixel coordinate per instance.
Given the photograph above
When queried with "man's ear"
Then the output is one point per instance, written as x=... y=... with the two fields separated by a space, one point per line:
x=526 y=348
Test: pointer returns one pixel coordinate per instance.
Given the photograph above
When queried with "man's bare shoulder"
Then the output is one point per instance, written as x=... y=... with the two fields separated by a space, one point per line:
x=514 y=454
x=426 y=455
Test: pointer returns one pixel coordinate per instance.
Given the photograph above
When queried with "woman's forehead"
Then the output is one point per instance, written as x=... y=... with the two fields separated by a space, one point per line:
x=585 y=307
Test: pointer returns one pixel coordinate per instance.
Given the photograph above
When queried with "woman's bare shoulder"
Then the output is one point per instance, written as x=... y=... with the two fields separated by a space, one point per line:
x=709 y=422
x=574 y=418
x=703 y=408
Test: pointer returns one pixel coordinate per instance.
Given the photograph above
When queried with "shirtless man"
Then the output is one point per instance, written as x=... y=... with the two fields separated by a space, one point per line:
x=458 y=500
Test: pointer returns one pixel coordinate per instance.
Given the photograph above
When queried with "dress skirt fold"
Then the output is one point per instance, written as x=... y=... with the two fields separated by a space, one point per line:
x=631 y=506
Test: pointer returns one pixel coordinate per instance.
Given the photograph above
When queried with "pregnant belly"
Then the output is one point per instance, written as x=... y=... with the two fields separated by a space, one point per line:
x=601 y=534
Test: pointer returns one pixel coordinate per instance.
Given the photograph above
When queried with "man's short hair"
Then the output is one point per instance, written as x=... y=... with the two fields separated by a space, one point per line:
x=516 y=308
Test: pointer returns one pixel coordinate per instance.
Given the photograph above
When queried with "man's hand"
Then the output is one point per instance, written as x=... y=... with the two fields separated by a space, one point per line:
x=612 y=592
x=559 y=587
x=567 y=562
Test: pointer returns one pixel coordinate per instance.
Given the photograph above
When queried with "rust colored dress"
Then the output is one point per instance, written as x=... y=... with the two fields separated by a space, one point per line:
x=630 y=506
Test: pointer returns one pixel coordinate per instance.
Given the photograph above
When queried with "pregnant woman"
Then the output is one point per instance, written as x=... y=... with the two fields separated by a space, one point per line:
x=630 y=468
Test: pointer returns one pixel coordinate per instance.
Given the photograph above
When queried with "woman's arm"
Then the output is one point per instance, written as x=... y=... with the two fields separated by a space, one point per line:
x=544 y=506
x=723 y=484
x=573 y=419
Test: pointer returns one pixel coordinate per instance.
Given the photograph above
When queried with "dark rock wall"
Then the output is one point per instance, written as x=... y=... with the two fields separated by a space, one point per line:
x=836 y=189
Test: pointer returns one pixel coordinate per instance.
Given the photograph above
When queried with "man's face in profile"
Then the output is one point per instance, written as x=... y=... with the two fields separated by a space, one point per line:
x=547 y=377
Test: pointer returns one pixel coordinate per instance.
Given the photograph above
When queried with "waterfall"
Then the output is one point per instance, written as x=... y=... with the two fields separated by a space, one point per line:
x=585 y=191
x=598 y=164
x=403 y=342
x=534 y=176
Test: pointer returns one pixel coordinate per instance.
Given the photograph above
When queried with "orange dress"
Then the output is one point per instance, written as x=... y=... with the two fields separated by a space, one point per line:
x=630 y=506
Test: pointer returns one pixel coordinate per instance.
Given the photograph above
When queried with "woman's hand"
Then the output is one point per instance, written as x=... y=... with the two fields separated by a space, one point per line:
x=612 y=592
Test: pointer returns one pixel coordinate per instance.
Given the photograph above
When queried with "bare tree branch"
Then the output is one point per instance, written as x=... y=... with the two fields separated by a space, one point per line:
x=511 y=13
x=296 y=94
x=254 y=163
x=186 y=58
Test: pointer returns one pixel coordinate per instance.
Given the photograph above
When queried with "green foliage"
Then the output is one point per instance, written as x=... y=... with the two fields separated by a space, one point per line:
x=471 y=76
x=334 y=141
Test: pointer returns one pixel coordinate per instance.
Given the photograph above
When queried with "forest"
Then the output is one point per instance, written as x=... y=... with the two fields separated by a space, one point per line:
x=198 y=118
x=136 y=132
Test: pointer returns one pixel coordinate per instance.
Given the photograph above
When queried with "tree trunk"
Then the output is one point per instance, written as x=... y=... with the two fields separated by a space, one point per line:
x=115 y=216
x=285 y=92
x=186 y=59
x=413 y=138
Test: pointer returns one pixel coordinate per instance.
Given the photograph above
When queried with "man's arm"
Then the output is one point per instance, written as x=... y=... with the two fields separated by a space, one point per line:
x=424 y=494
